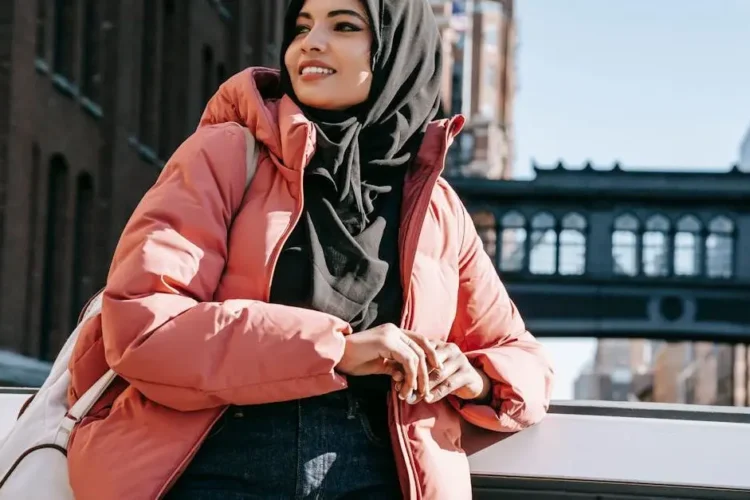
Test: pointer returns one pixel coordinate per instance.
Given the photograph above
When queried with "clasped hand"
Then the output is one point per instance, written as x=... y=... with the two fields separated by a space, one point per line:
x=421 y=369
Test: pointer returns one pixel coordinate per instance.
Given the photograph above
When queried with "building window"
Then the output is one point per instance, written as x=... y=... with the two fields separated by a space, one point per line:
x=688 y=247
x=487 y=230
x=625 y=245
x=41 y=29
x=81 y=278
x=543 y=244
x=149 y=73
x=91 y=66
x=513 y=248
x=572 y=256
x=52 y=328
x=720 y=248
x=65 y=38
x=656 y=254
x=207 y=74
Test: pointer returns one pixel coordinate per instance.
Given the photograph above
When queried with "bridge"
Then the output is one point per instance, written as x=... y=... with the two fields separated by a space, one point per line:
x=621 y=253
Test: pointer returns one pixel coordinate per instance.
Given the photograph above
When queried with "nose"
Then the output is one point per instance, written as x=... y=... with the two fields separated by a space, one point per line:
x=316 y=40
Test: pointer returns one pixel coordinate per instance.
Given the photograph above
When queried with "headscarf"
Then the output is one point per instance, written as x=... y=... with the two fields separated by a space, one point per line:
x=387 y=129
x=343 y=257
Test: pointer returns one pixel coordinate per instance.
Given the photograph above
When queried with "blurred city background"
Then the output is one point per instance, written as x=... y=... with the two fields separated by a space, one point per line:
x=606 y=161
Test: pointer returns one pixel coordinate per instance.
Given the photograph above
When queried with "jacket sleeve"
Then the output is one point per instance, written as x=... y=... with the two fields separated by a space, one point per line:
x=163 y=332
x=490 y=331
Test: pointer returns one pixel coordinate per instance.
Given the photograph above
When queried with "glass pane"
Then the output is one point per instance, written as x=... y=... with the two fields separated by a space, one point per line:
x=719 y=256
x=572 y=252
x=574 y=221
x=513 y=250
x=627 y=222
x=543 y=221
x=687 y=254
x=657 y=223
x=689 y=224
x=543 y=257
x=655 y=254
x=625 y=253
x=513 y=219
x=721 y=224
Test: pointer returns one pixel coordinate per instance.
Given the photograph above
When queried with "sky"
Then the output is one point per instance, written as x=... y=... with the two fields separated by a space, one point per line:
x=649 y=83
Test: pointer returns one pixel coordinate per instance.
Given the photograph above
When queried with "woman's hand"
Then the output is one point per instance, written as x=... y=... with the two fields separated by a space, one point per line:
x=388 y=350
x=457 y=376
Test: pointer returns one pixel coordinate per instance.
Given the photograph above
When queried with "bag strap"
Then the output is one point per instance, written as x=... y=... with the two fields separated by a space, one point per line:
x=92 y=395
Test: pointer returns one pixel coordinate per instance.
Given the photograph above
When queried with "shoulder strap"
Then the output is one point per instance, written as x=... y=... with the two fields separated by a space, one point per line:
x=90 y=397
x=251 y=157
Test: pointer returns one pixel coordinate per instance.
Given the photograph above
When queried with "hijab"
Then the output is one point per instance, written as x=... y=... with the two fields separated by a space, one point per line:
x=343 y=258
x=387 y=129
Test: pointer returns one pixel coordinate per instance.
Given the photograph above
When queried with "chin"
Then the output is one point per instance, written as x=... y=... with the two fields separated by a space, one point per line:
x=324 y=104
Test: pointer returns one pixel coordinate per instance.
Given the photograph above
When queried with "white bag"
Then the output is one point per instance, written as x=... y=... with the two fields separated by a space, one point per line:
x=33 y=456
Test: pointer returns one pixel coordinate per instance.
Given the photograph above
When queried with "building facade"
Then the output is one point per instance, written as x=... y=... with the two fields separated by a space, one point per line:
x=94 y=97
x=479 y=81
x=618 y=255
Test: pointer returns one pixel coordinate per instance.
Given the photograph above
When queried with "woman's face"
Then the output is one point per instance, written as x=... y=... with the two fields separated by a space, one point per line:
x=329 y=59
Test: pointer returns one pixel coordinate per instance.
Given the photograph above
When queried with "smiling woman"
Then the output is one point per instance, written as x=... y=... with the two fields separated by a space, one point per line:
x=322 y=332
x=329 y=61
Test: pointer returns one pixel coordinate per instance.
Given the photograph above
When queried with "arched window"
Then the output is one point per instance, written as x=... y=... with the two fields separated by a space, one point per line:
x=655 y=256
x=83 y=244
x=625 y=245
x=720 y=248
x=487 y=229
x=54 y=258
x=688 y=247
x=543 y=253
x=572 y=256
x=513 y=248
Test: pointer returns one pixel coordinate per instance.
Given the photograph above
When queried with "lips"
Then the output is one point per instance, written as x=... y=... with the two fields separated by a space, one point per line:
x=315 y=68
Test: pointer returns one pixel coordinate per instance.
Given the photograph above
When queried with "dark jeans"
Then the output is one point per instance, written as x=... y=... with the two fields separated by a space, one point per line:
x=318 y=448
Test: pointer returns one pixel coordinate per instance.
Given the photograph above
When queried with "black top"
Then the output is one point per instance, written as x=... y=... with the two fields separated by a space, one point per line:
x=353 y=277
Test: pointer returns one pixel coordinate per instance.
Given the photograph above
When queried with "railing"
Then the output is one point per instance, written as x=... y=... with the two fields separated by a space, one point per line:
x=590 y=449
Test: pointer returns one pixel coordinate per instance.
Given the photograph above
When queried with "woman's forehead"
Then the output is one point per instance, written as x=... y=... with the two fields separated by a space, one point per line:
x=328 y=7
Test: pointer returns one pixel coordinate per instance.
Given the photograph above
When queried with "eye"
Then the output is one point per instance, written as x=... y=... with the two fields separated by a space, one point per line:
x=301 y=28
x=347 y=27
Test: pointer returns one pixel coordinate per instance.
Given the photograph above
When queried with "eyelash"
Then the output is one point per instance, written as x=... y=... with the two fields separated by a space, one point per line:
x=342 y=26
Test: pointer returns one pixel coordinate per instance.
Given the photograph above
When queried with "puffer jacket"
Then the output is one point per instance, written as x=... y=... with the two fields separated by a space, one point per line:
x=187 y=326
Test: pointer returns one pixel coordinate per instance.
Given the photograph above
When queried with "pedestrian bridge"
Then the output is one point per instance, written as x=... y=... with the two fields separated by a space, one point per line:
x=615 y=253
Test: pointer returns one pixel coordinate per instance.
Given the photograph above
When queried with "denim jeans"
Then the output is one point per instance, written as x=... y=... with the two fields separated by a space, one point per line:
x=322 y=448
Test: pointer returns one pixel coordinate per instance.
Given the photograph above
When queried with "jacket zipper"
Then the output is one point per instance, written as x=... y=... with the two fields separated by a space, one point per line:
x=296 y=215
x=411 y=242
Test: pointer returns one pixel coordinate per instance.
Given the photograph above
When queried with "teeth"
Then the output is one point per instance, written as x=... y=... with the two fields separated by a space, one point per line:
x=316 y=70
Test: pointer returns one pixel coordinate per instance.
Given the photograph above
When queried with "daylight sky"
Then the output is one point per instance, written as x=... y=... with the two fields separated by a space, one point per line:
x=649 y=83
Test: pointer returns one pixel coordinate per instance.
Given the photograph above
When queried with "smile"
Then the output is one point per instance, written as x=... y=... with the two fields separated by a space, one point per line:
x=315 y=70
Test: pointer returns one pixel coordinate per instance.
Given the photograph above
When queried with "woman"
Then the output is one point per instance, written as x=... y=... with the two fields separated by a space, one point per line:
x=254 y=332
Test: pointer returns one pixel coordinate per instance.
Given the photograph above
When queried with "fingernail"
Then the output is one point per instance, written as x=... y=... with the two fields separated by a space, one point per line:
x=428 y=398
x=411 y=399
x=401 y=396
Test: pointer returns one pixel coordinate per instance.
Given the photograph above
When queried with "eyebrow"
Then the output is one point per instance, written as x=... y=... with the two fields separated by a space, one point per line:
x=336 y=13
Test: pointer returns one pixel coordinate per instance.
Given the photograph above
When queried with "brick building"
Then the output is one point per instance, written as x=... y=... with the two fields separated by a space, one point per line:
x=94 y=96
x=479 y=81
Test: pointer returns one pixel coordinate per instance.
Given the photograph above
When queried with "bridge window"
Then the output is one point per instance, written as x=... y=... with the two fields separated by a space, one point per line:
x=573 y=245
x=688 y=247
x=656 y=246
x=625 y=245
x=720 y=248
x=513 y=250
x=543 y=244
x=487 y=229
